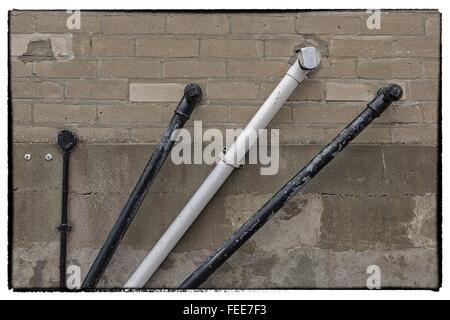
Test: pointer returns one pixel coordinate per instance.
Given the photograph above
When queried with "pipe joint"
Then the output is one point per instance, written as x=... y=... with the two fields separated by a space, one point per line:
x=64 y=227
x=235 y=165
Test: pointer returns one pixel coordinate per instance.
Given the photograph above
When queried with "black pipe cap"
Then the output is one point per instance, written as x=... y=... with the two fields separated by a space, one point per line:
x=385 y=96
x=66 y=140
x=193 y=93
x=391 y=92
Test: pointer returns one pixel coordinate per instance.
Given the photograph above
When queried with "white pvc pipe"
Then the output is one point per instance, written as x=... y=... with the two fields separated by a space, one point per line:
x=308 y=59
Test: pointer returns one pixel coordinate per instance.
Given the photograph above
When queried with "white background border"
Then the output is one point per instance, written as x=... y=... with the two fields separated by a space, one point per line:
x=444 y=8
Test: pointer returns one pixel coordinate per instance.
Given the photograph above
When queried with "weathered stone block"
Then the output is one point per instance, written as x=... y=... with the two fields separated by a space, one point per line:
x=156 y=92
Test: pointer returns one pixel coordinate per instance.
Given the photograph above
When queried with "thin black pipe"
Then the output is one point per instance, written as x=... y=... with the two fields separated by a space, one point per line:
x=66 y=141
x=192 y=96
x=384 y=98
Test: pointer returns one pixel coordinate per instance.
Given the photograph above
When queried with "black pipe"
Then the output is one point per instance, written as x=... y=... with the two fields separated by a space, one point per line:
x=66 y=141
x=384 y=98
x=192 y=96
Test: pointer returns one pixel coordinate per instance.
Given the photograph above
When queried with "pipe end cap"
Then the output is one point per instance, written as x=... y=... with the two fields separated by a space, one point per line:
x=391 y=92
x=309 y=58
x=193 y=93
x=66 y=140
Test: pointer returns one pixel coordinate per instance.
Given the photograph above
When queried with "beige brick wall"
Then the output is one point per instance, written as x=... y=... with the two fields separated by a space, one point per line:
x=122 y=73
x=116 y=82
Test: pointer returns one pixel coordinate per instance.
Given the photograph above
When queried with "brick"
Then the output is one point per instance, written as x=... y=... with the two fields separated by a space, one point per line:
x=100 y=89
x=400 y=114
x=389 y=69
x=133 y=24
x=21 y=22
x=282 y=47
x=197 y=24
x=21 y=112
x=102 y=135
x=26 y=134
x=157 y=92
x=146 y=135
x=335 y=68
x=323 y=115
x=61 y=46
x=415 y=135
x=129 y=113
x=422 y=90
x=207 y=113
x=63 y=113
x=112 y=46
x=374 y=135
x=167 y=111
x=396 y=24
x=307 y=90
x=194 y=69
x=429 y=113
x=327 y=24
x=56 y=22
x=37 y=89
x=167 y=48
x=257 y=69
x=19 y=69
x=232 y=90
x=243 y=114
x=262 y=24
x=431 y=69
x=66 y=69
x=361 y=48
x=290 y=134
x=81 y=45
x=433 y=26
x=349 y=91
x=225 y=48
x=210 y=113
x=129 y=68
x=417 y=47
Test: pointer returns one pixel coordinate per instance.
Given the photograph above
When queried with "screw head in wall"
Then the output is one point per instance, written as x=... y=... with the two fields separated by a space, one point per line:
x=27 y=156
x=48 y=157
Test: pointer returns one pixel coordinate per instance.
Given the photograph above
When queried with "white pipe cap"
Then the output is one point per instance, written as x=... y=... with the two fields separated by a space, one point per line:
x=309 y=58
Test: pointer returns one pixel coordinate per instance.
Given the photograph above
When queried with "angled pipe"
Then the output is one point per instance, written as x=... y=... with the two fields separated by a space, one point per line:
x=307 y=60
x=384 y=98
x=192 y=95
